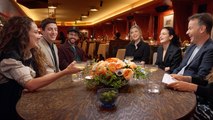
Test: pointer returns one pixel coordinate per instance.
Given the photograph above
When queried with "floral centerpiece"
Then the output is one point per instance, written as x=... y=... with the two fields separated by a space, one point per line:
x=114 y=73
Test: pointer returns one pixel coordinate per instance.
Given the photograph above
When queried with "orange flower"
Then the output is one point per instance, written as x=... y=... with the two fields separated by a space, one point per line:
x=112 y=67
x=101 y=70
x=120 y=64
x=115 y=70
x=132 y=65
x=128 y=73
x=112 y=60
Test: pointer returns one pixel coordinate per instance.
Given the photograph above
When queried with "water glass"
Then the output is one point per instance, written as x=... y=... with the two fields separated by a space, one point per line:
x=78 y=76
x=153 y=86
x=129 y=58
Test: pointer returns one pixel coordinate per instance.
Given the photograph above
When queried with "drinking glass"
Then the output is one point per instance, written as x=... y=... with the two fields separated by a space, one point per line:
x=79 y=76
x=129 y=58
x=81 y=65
x=153 y=86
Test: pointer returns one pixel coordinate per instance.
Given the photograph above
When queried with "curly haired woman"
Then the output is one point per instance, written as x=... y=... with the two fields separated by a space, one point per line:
x=22 y=64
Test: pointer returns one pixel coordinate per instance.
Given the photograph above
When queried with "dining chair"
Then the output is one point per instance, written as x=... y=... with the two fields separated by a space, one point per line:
x=121 y=54
x=91 y=49
x=154 y=58
x=84 y=46
x=103 y=49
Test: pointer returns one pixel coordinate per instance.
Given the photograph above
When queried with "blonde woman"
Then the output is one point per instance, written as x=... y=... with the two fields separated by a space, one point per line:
x=137 y=47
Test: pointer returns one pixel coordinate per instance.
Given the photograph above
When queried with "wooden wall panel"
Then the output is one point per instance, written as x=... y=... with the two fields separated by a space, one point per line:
x=9 y=8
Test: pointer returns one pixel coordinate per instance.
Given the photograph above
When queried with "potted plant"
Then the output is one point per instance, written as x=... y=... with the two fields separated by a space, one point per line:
x=114 y=73
x=107 y=97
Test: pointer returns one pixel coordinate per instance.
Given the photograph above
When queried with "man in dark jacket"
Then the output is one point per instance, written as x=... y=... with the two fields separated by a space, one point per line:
x=69 y=51
x=198 y=59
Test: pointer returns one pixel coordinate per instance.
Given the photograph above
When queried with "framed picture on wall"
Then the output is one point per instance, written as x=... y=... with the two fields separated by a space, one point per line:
x=168 y=20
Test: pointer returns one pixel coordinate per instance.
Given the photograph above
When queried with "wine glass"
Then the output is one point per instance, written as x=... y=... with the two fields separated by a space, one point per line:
x=129 y=58
x=79 y=76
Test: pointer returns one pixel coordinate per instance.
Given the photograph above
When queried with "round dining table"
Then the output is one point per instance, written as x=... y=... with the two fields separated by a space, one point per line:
x=68 y=100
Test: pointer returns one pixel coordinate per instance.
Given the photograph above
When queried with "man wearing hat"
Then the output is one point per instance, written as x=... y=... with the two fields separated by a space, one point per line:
x=69 y=51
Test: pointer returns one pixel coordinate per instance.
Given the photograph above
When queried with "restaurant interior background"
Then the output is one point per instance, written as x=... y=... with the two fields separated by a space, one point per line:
x=150 y=15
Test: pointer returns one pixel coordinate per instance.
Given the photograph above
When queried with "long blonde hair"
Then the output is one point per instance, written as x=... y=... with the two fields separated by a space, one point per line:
x=139 y=29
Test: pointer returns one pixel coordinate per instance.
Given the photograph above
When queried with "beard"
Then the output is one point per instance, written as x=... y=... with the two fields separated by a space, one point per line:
x=72 y=40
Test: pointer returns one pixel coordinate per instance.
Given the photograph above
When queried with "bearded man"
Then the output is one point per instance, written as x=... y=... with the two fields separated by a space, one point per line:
x=69 y=51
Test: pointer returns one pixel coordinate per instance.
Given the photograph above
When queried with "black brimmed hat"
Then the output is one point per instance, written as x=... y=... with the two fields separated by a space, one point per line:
x=74 y=29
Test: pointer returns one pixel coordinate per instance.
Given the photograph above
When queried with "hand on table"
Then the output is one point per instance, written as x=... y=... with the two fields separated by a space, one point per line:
x=183 y=86
x=71 y=68
x=182 y=78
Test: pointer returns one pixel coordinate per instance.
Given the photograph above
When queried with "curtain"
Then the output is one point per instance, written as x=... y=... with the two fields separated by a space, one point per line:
x=181 y=14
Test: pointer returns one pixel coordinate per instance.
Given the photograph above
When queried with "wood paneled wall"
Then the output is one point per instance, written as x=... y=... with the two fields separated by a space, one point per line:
x=181 y=9
x=9 y=8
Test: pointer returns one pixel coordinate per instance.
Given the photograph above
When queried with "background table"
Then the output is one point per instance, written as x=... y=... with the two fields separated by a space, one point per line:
x=67 y=100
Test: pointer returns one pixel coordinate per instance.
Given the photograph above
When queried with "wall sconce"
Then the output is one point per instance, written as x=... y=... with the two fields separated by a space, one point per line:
x=1 y=24
x=52 y=12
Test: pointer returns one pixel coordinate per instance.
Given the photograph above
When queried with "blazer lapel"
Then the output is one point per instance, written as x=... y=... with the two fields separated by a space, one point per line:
x=188 y=54
x=49 y=51
x=168 y=53
x=160 y=54
x=201 y=51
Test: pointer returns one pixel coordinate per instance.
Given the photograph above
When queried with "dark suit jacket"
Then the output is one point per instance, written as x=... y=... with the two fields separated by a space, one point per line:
x=172 y=58
x=142 y=53
x=66 y=55
x=202 y=63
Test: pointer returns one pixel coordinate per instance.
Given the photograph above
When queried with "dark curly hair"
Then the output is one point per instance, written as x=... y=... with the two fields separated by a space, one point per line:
x=15 y=37
x=15 y=34
x=175 y=40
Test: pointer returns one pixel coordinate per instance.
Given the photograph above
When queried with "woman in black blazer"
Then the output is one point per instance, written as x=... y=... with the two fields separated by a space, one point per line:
x=169 y=54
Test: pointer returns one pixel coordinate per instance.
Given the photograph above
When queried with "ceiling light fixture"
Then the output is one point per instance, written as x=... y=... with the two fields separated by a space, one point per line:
x=119 y=19
x=84 y=16
x=52 y=7
x=93 y=9
x=79 y=19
